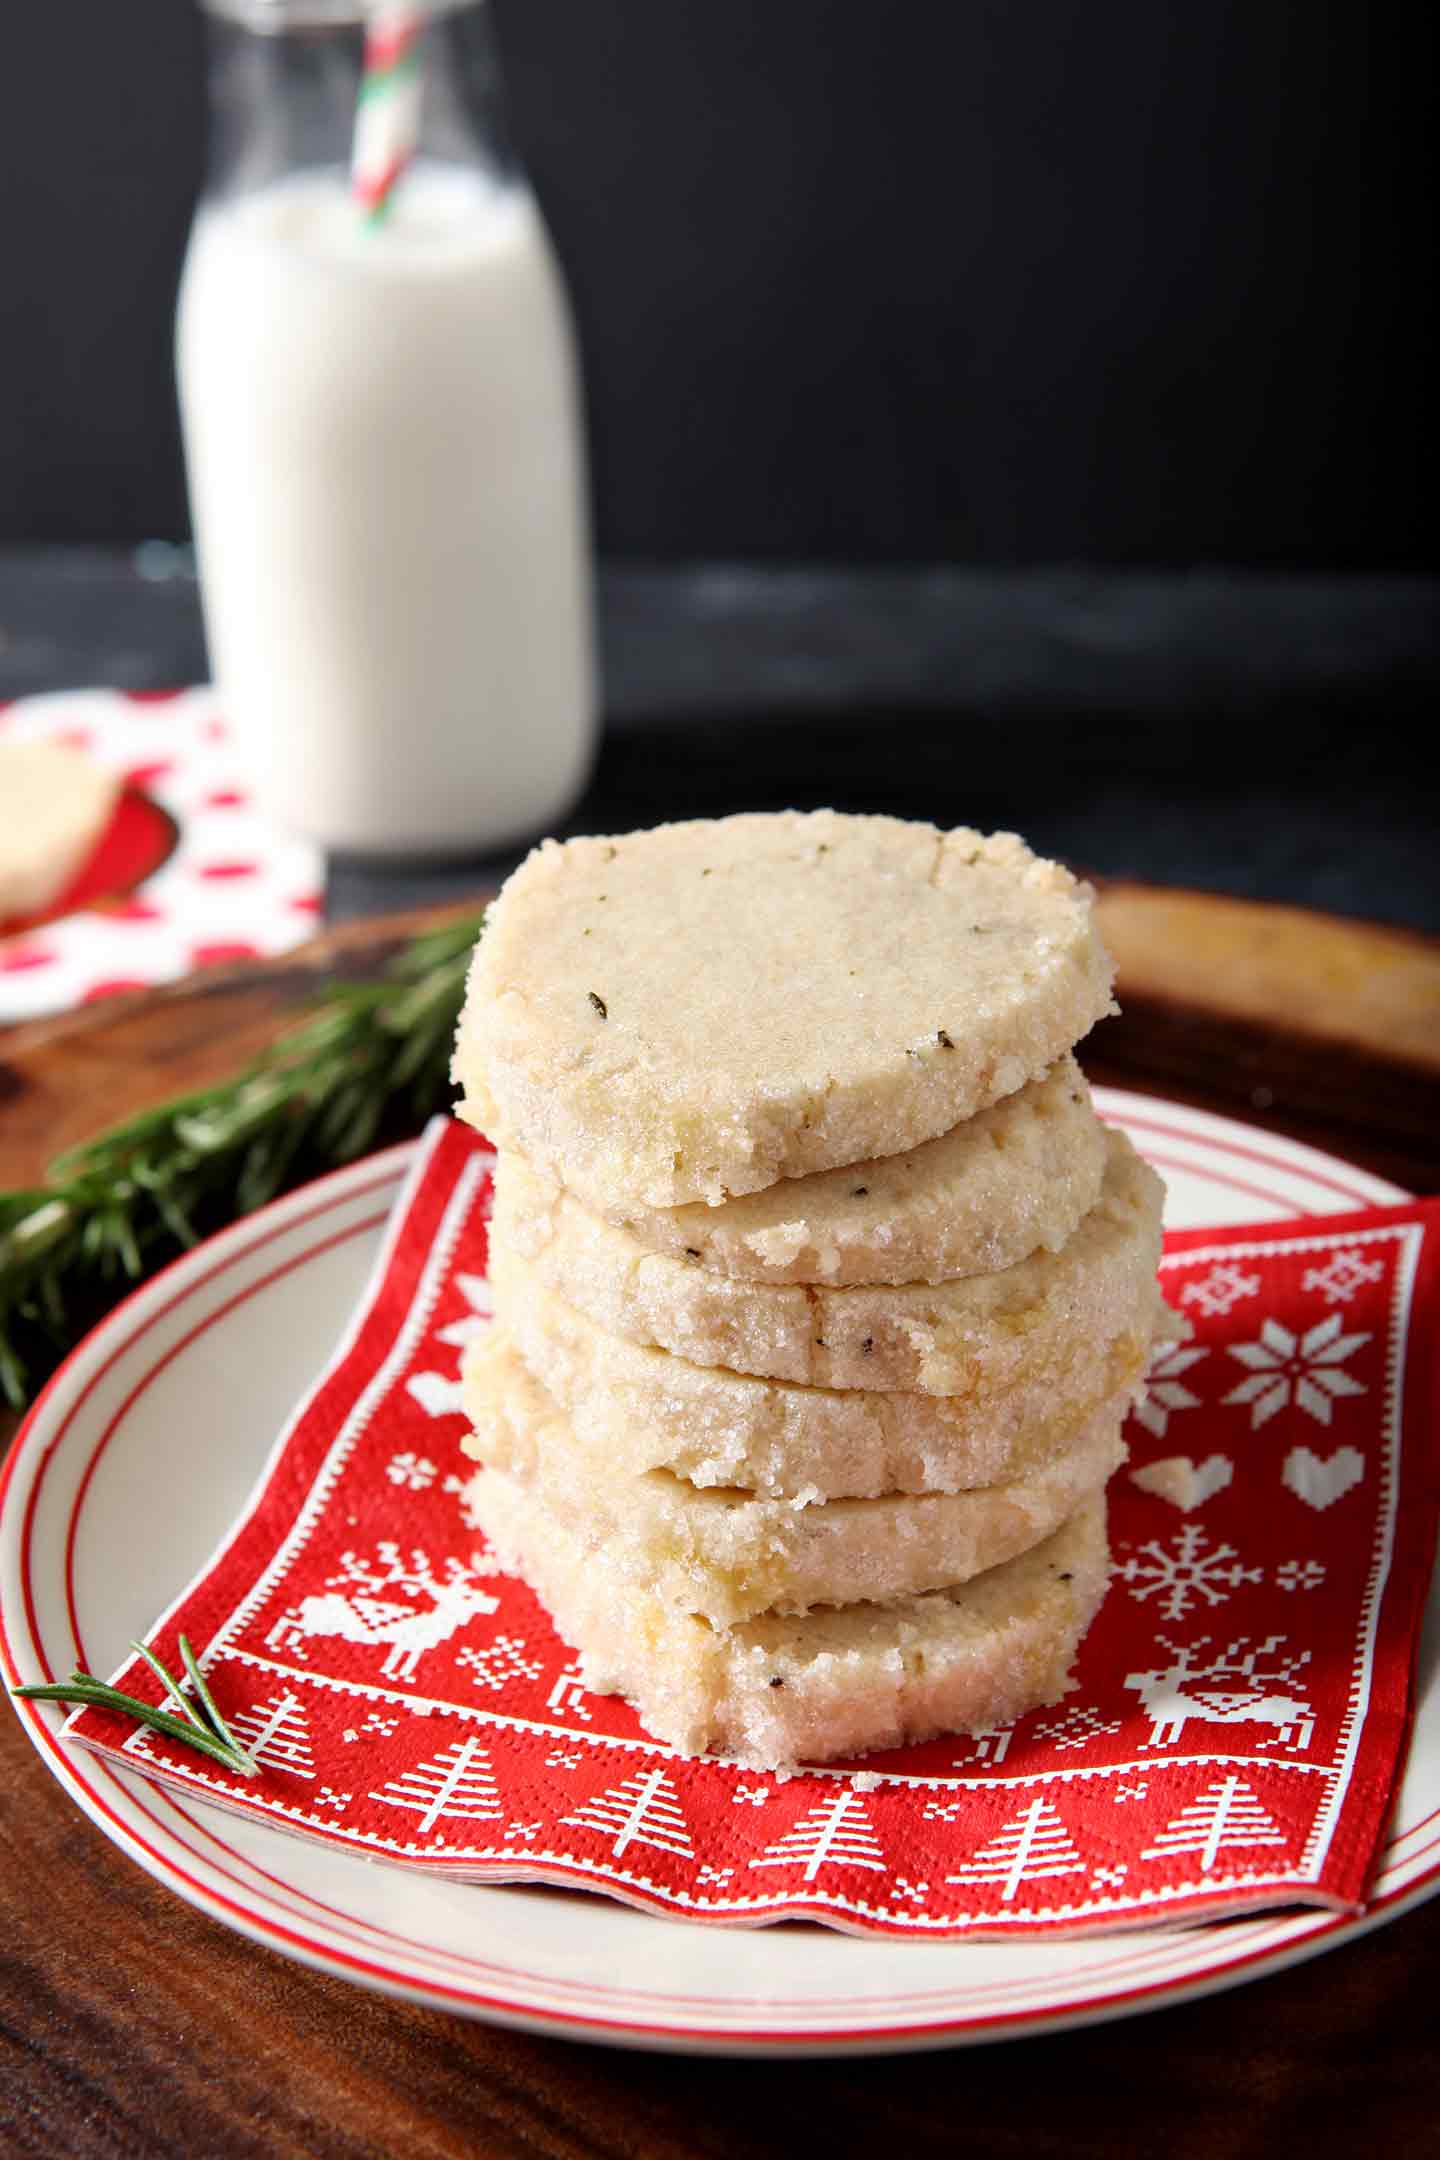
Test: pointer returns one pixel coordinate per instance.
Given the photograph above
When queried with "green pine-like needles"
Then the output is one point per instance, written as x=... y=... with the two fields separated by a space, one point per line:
x=199 y=1725
x=372 y=1063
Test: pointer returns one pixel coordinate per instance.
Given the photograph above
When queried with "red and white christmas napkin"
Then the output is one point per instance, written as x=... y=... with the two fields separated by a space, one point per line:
x=1232 y=1740
x=187 y=874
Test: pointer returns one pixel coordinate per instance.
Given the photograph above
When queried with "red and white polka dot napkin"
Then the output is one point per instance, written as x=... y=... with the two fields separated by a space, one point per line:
x=188 y=874
x=1232 y=1740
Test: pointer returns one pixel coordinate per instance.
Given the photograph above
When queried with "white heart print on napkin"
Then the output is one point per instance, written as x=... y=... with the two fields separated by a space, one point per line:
x=1319 y=1480
x=1185 y=1483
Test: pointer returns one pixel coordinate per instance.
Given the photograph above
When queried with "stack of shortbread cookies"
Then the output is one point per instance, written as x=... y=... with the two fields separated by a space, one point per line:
x=820 y=1292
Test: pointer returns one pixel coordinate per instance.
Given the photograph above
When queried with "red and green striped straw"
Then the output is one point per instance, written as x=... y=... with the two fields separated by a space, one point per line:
x=387 y=112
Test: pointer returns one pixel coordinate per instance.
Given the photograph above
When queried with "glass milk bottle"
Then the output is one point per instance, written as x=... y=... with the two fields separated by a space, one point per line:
x=381 y=422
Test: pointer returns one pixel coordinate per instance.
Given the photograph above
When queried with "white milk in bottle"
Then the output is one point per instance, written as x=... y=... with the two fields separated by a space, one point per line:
x=383 y=448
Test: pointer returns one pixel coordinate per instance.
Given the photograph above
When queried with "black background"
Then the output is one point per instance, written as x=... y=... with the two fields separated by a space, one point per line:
x=1007 y=281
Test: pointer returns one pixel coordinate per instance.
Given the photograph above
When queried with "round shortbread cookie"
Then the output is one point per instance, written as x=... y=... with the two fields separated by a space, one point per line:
x=1049 y=1316
x=822 y=1686
x=696 y=1011
x=728 y=1555
x=1010 y=1180
x=55 y=802
x=651 y=1411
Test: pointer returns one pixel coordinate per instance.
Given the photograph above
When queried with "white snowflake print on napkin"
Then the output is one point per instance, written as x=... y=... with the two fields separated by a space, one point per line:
x=1182 y=1573
x=1342 y=1275
x=1163 y=1390
x=413 y=1471
x=1076 y=1728
x=1226 y=1285
x=1306 y=1367
x=1299 y=1575
x=503 y=1659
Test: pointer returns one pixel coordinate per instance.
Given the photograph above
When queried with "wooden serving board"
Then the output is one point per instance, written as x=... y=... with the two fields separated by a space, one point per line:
x=129 y=2023
x=1325 y=1028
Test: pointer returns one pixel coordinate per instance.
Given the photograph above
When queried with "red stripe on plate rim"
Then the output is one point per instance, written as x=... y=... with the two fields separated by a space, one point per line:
x=1304 y=1167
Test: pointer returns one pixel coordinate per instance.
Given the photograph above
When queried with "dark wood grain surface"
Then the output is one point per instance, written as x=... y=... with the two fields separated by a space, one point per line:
x=131 y=2025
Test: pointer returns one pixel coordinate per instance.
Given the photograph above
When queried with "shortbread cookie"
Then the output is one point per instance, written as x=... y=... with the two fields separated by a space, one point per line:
x=55 y=803
x=651 y=1411
x=1050 y=1317
x=1010 y=1180
x=696 y=1011
x=728 y=1555
x=826 y=1685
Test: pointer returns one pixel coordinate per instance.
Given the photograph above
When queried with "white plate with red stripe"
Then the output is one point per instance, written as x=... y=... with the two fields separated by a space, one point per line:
x=142 y=1451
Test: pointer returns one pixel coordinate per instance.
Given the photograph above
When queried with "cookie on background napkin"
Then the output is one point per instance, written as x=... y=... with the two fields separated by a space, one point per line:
x=55 y=804
x=1232 y=1740
x=174 y=870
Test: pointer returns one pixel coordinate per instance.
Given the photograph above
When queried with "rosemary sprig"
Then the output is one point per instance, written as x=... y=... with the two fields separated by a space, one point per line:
x=372 y=1063
x=201 y=1727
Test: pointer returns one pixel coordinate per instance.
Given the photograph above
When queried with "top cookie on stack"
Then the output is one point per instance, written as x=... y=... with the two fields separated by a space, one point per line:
x=695 y=1012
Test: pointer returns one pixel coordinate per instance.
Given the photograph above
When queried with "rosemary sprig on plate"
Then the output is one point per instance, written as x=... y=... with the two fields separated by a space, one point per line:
x=372 y=1062
x=201 y=1726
